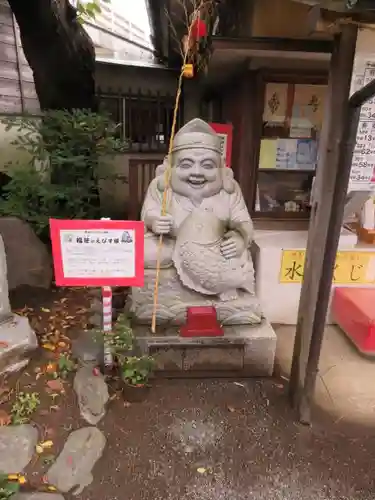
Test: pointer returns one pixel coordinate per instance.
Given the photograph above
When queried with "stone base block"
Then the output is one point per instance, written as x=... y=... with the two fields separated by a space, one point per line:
x=243 y=350
x=17 y=341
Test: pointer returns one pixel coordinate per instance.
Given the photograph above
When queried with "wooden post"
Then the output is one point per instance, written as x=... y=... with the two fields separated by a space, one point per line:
x=335 y=154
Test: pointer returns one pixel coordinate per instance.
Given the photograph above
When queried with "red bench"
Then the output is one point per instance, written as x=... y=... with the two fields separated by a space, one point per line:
x=353 y=309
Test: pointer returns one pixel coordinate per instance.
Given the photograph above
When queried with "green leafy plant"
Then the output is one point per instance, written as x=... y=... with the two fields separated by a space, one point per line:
x=24 y=406
x=121 y=340
x=7 y=488
x=136 y=370
x=60 y=169
x=65 y=366
x=88 y=10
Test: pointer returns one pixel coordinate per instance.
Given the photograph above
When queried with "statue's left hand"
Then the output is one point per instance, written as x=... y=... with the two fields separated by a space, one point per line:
x=232 y=246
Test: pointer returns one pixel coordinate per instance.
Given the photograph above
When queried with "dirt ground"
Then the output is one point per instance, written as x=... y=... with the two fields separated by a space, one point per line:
x=191 y=439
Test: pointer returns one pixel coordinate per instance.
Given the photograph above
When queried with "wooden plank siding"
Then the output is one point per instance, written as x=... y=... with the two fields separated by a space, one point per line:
x=141 y=173
x=17 y=89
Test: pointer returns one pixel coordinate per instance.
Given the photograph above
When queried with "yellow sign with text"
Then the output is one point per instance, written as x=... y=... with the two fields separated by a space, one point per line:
x=354 y=267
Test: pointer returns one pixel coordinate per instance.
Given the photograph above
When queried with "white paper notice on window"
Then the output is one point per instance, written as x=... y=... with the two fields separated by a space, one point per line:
x=362 y=175
x=98 y=253
x=223 y=145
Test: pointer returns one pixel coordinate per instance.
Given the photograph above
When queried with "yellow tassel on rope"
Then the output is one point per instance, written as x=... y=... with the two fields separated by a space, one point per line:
x=167 y=176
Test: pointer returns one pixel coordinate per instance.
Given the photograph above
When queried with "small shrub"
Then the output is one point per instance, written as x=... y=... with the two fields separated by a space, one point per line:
x=24 y=406
x=137 y=370
x=60 y=178
x=65 y=366
x=7 y=488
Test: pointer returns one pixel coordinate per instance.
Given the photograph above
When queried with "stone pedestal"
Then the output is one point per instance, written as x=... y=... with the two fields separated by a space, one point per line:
x=17 y=339
x=243 y=350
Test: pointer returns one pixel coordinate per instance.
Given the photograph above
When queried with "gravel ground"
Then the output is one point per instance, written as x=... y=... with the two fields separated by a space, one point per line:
x=216 y=440
x=197 y=440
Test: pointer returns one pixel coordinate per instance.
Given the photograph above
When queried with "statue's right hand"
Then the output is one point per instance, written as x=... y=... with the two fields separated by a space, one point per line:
x=162 y=224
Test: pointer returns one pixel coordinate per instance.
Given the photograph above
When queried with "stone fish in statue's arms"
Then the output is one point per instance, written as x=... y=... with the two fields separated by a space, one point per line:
x=199 y=261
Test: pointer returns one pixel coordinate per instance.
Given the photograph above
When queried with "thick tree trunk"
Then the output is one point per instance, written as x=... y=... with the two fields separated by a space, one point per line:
x=59 y=51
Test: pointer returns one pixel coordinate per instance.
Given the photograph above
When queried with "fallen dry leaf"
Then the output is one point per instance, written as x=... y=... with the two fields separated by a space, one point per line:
x=49 y=347
x=45 y=445
x=50 y=432
x=45 y=310
x=5 y=418
x=51 y=368
x=55 y=385
x=4 y=393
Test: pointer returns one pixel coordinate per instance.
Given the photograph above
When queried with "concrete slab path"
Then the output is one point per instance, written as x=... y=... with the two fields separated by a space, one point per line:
x=346 y=380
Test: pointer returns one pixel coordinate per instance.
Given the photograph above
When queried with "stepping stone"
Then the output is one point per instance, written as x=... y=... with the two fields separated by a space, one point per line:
x=73 y=467
x=17 y=447
x=37 y=496
x=92 y=394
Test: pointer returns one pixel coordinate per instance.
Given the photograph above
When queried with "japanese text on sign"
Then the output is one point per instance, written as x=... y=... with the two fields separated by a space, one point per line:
x=97 y=253
x=350 y=267
x=104 y=253
x=363 y=163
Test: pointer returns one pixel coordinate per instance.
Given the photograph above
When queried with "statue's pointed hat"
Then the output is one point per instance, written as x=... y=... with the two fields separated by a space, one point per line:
x=197 y=134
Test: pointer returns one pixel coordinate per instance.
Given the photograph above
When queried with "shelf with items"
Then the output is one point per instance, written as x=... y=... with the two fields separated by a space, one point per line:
x=291 y=124
x=284 y=191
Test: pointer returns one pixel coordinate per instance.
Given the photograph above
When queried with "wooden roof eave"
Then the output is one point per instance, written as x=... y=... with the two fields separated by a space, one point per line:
x=273 y=44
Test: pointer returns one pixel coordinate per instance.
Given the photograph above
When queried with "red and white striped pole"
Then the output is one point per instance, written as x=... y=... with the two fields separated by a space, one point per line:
x=107 y=324
x=107 y=321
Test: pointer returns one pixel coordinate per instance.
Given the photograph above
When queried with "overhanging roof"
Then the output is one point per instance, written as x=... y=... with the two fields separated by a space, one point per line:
x=231 y=55
x=362 y=11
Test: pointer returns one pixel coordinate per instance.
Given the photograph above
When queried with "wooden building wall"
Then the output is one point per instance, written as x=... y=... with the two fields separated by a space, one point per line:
x=17 y=90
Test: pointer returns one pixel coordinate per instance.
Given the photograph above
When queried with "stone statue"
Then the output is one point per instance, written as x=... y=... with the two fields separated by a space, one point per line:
x=207 y=232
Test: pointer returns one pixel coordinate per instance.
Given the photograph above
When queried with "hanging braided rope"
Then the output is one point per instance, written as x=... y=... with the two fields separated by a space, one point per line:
x=167 y=174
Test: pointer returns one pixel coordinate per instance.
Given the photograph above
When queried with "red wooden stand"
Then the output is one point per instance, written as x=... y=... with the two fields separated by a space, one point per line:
x=201 y=322
x=353 y=310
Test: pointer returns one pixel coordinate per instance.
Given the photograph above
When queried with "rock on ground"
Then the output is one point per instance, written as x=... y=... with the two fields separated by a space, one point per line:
x=73 y=467
x=18 y=340
x=17 y=447
x=36 y=495
x=88 y=347
x=92 y=394
x=28 y=259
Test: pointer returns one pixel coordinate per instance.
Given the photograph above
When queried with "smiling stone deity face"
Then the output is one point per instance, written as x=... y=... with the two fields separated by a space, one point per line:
x=196 y=173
